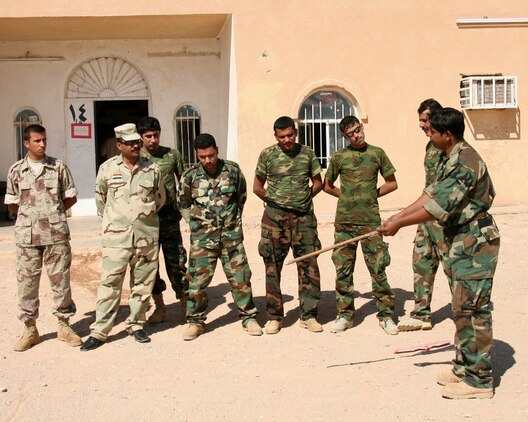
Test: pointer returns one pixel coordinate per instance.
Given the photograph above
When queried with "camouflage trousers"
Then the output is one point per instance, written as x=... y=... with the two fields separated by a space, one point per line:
x=429 y=250
x=174 y=254
x=281 y=231
x=471 y=266
x=143 y=264
x=57 y=260
x=377 y=258
x=202 y=265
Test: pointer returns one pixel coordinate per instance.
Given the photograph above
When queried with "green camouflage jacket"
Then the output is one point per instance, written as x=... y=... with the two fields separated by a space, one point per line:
x=431 y=162
x=170 y=163
x=213 y=205
x=463 y=188
x=358 y=170
x=288 y=176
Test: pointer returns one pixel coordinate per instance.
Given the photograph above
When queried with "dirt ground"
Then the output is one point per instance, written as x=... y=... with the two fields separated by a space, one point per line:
x=296 y=375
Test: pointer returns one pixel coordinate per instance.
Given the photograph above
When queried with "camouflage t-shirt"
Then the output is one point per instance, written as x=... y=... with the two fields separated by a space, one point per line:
x=431 y=162
x=129 y=202
x=214 y=203
x=358 y=170
x=288 y=176
x=41 y=218
x=463 y=188
x=170 y=163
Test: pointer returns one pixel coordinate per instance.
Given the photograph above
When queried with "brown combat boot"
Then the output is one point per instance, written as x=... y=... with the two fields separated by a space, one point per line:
x=29 y=337
x=65 y=333
x=192 y=331
x=460 y=390
x=160 y=313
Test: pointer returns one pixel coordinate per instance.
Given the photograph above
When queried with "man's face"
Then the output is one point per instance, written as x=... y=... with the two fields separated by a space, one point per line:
x=36 y=145
x=208 y=158
x=130 y=149
x=151 y=140
x=423 y=118
x=355 y=135
x=440 y=140
x=286 y=138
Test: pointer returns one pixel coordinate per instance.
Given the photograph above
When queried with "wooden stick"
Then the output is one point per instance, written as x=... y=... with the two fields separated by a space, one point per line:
x=329 y=248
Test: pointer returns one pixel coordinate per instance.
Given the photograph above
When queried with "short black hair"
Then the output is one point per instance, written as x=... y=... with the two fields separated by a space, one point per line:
x=283 y=122
x=448 y=119
x=32 y=129
x=203 y=141
x=347 y=121
x=148 y=124
x=430 y=104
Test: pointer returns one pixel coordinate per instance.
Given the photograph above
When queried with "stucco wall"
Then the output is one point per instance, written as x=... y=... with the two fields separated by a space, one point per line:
x=388 y=55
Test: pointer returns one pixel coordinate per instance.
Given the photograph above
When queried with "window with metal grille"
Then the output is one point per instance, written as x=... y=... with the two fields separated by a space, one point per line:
x=23 y=119
x=319 y=119
x=187 y=129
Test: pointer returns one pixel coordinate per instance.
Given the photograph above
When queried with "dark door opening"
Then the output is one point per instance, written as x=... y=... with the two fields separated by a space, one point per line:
x=109 y=114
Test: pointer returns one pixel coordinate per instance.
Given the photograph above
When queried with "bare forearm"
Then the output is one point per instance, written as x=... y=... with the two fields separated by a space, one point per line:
x=387 y=188
x=331 y=189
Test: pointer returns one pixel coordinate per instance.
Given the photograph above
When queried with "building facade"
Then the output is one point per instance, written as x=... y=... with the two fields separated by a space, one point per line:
x=231 y=68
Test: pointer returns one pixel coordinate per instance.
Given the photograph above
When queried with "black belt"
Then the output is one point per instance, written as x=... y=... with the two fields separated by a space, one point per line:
x=272 y=204
x=485 y=221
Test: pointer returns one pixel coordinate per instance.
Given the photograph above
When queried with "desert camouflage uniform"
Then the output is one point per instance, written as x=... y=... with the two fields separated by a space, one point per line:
x=289 y=222
x=128 y=201
x=42 y=234
x=213 y=205
x=429 y=247
x=170 y=163
x=358 y=213
x=460 y=199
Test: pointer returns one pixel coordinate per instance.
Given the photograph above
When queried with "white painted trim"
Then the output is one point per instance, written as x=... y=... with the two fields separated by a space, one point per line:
x=491 y=21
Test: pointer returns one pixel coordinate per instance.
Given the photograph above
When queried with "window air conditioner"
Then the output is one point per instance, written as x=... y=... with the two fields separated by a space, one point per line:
x=488 y=92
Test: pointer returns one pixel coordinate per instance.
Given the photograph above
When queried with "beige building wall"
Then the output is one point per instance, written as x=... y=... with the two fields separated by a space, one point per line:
x=386 y=56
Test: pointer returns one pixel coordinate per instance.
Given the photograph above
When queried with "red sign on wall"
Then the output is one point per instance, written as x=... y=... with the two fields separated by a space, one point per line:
x=81 y=130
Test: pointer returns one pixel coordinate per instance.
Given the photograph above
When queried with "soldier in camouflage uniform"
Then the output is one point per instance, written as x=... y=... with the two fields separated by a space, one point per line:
x=459 y=200
x=429 y=245
x=40 y=189
x=212 y=195
x=128 y=193
x=358 y=166
x=170 y=163
x=289 y=222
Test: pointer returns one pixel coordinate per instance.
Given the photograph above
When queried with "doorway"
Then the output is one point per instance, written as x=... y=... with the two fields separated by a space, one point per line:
x=109 y=114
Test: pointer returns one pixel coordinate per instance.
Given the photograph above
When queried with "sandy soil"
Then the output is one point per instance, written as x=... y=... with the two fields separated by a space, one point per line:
x=295 y=375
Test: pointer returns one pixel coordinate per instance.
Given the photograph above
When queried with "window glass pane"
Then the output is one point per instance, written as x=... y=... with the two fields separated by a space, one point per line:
x=319 y=118
x=187 y=129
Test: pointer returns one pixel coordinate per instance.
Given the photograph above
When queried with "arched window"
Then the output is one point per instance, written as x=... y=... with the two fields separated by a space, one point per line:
x=187 y=121
x=24 y=119
x=319 y=119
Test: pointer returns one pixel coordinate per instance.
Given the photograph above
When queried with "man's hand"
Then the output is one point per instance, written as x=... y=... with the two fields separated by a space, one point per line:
x=389 y=227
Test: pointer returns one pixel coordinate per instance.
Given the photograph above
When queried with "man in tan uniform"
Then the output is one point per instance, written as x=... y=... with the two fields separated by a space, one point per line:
x=40 y=189
x=128 y=193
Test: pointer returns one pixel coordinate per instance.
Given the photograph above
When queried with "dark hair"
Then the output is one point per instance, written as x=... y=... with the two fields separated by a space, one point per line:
x=148 y=124
x=32 y=129
x=448 y=119
x=203 y=141
x=430 y=104
x=347 y=121
x=283 y=122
